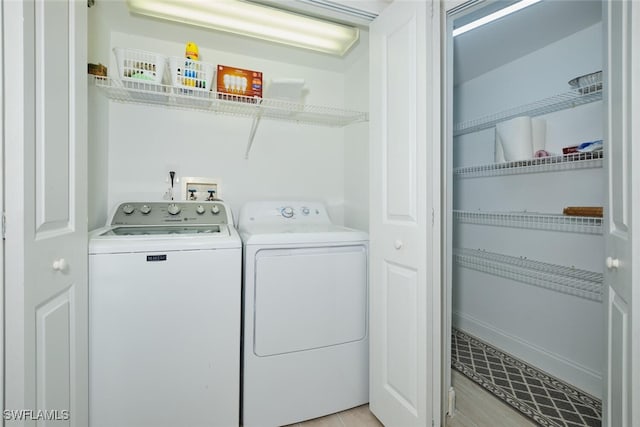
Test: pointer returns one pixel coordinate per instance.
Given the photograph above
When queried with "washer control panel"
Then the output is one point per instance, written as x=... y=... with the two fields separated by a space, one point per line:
x=174 y=212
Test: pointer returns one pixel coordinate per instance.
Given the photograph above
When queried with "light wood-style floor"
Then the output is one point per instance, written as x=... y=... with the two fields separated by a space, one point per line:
x=475 y=407
x=356 y=417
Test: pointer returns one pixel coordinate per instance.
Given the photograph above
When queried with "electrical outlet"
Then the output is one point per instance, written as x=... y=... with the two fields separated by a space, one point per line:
x=203 y=188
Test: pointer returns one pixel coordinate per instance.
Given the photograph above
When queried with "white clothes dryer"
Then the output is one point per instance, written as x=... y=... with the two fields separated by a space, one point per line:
x=165 y=317
x=305 y=296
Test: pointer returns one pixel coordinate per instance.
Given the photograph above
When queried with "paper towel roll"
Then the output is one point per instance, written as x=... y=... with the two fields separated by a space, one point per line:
x=499 y=151
x=538 y=134
x=516 y=138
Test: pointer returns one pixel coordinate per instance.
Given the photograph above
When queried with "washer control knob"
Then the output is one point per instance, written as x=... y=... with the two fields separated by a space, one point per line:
x=173 y=209
x=145 y=209
x=200 y=209
x=287 y=212
x=128 y=209
x=305 y=211
x=215 y=209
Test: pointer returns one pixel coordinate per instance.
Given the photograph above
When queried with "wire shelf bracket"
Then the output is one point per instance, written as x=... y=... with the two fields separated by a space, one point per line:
x=555 y=103
x=530 y=220
x=571 y=161
x=194 y=99
x=566 y=280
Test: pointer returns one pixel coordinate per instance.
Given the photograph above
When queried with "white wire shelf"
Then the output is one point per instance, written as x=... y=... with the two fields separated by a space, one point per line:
x=541 y=164
x=194 y=99
x=566 y=280
x=559 y=102
x=530 y=220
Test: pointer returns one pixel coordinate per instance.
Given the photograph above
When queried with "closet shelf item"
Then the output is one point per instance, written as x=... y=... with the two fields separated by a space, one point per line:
x=175 y=97
x=566 y=280
x=558 y=102
x=540 y=164
x=536 y=221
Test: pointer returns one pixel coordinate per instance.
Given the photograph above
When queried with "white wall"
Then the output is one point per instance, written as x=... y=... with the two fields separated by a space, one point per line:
x=288 y=160
x=356 y=142
x=541 y=74
x=98 y=121
x=559 y=333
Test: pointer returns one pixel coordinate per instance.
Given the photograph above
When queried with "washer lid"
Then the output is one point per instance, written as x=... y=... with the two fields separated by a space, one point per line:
x=147 y=239
x=272 y=234
x=165 y=230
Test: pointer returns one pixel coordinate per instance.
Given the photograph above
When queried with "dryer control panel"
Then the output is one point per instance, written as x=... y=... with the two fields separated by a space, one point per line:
x=284 y=212
x=173 y=212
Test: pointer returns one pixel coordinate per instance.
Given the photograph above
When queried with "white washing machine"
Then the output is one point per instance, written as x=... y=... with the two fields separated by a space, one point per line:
x=305 y=296
x=165 y=316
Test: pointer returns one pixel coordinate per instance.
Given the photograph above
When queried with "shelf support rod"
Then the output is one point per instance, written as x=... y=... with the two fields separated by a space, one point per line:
x=252 y=135
x=254 y=128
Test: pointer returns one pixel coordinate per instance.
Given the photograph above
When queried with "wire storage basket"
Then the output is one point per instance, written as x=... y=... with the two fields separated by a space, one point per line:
x=190 y=74
x=139 y=65
x=191 y=81
x=143 y=72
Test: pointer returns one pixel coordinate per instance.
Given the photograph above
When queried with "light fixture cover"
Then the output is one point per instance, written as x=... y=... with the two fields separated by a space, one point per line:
x=253 y=20
x=494 y=16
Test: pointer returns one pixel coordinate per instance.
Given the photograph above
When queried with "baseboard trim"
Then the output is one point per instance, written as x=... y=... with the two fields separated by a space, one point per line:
x=567 y=370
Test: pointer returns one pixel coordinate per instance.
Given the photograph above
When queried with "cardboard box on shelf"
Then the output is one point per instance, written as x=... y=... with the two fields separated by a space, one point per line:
x=238 y=83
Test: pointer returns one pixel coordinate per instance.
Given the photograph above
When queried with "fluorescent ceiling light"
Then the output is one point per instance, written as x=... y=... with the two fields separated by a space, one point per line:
x=248 y=19
x=492 y=17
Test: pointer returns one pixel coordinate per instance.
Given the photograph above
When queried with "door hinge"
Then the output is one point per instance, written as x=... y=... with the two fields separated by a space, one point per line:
x=433 y=217
x=4 y=225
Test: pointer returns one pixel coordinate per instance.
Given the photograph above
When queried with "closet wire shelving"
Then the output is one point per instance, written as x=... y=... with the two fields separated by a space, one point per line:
x=236 y=105
x=540 y=164
x=570 y=99
x=566 y=280
x=531 y=220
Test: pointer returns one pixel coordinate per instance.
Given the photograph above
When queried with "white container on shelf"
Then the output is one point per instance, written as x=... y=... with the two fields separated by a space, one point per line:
x=190 y=74
x=140 y=66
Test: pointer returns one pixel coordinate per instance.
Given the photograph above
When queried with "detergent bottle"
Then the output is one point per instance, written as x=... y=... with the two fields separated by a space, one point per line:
x=191 y=53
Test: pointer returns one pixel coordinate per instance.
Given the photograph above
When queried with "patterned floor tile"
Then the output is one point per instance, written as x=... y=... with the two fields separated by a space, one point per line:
x=546 y=400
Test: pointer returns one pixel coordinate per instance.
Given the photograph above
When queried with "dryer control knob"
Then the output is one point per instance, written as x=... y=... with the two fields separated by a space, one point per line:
x=128 y=209
x=200 y=209
x=173 y=209
x=145 y=209
x=287 y=212
x=215 y=209
x=305 y=211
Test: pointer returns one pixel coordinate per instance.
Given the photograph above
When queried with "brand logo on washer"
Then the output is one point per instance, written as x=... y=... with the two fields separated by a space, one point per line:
x=152 y=258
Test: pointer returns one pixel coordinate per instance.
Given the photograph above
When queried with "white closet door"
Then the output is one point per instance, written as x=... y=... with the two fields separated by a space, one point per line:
x=45 y=83
x=405 y=314
x=622 y=82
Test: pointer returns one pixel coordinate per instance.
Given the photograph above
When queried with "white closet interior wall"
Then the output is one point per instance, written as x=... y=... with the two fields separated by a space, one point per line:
x=134 y=146
x=562 y=334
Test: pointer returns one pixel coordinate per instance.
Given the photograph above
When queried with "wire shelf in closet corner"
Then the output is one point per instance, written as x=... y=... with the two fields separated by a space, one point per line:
x=237 y=105
x=531 y=220
x=587 y=160
x=563 y=101
x=567 y=280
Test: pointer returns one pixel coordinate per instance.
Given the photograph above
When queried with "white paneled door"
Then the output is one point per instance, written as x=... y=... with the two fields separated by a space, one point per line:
x=405 y=285
x=45 y=91
x=621 y=403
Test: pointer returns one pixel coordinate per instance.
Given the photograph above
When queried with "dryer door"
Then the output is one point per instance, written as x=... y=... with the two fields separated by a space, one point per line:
x=308 y=298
